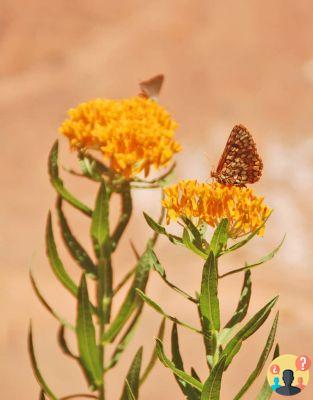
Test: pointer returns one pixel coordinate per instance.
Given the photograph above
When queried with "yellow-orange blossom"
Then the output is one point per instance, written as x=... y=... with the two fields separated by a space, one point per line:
x=210 y=202
x=132 y=134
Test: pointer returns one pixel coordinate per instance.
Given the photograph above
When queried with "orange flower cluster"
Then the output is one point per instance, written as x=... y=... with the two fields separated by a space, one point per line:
x=132 y=134
x=211 y=202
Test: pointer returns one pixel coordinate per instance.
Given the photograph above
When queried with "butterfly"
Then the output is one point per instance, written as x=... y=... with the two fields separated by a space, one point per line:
x=151 y=87
x=240 y=163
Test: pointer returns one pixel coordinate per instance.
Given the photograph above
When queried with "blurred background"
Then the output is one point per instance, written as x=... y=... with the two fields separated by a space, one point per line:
x=225 y=63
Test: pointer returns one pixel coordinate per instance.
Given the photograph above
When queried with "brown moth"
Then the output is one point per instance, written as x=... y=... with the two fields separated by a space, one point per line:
x=240 y=163
x=151 y=88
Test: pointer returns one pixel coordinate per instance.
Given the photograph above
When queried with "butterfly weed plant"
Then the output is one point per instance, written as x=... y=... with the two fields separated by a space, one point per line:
x=134 y=135
x=234 y=215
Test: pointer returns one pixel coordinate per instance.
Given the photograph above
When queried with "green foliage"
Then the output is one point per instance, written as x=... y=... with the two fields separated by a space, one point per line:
x=42 y=383
x=86 y=336
x=94 y=329
x=57 y=182
x=131 y=387
x=221 y=344
x=188 y=379
x=212 y=386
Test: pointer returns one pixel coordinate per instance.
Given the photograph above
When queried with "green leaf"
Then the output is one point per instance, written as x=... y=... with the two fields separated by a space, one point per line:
x=158 y=309
x=233 y=346
x=130 y=394
x=194 y=374
x=266 y=390
x=55 y=261
x=130 y=302
x=57 y=183
x=241 y=310
x=161 y=230
x=189 y=244
x=247 y=238
x=220 y=237
x=127 y=207
x=209 y=304
x=169 y=364
x=262 y=260
x=42 y=383
x=154 y=355
x=265 y=353
x=125 y=340
x=194 y=232
x=212 y=386
x=63 y=343
x=78 y=253
x=47 y=306
x=100 y=221
x=189 y=391
x=161 y=271
x=91 y=167
x=86 y=336
x=132 y=377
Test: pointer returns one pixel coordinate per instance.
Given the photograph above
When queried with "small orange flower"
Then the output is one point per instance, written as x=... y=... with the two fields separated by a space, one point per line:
x=132 y=134
x=211 y=202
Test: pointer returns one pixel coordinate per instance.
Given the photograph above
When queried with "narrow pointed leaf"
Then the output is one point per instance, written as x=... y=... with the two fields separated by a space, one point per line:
x=55 y=261
x=37 y=373
x=125 y=340
x=194 y=232
x=181 y=374
x=100 y=220
x=161 y=271
x=131 y=301
x=262 y=360
x=266 y=390
x=212 y=386
x=63 y=343
x=189 y=391
x=189 y=244
x=86 y=336
x=247 y=238
x=233 y=346
x=76 y=250
x=132 y=377
x=241 y=310
x=130 y=394
x=159 y=309
x=58 y=183
x=161 y=230
x=220 y=237
x=47 y=306
x=209 y=303
x=262 y=260
x=126 y=212
x=194 y=374
x=154 y=355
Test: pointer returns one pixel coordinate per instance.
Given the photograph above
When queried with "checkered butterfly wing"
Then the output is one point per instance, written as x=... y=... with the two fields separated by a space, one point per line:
x=240 y=163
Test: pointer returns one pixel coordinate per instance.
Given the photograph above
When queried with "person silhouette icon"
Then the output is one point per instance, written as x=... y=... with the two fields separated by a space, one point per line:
x=288 y=389
x=276 y=384
x=300 y=384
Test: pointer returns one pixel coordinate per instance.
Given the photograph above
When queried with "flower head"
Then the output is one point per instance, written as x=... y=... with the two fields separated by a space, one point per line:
x=132 y=134
x=211 y=202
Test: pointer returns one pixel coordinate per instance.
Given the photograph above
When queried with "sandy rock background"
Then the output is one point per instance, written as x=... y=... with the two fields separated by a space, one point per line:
x=225 y=63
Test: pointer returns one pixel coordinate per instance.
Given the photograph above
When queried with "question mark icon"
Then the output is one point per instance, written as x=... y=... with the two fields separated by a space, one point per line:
x=275 y=369
x=303 y=363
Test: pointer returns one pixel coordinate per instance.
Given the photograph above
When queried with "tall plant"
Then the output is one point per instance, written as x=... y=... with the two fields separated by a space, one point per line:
x=132 y=135
x=237 y=216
